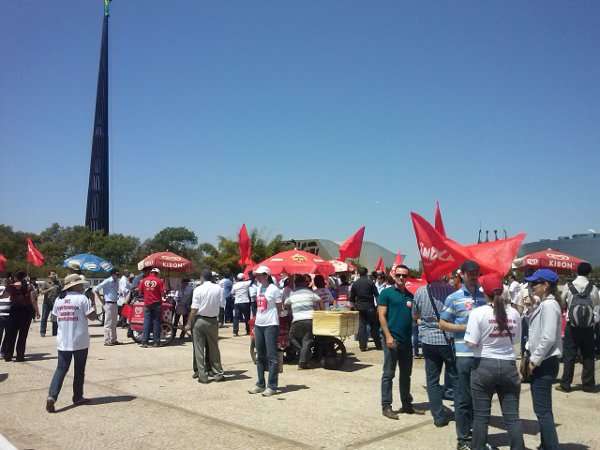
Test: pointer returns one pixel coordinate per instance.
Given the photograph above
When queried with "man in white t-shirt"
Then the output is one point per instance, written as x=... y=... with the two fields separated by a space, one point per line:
x=241 y=308
x=302 y=301
x=72 y=312
x=266 y=332
x=206 y=302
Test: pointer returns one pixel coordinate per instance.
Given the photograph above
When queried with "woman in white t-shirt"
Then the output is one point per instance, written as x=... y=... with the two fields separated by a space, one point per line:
x=72 y=310
x=491 y=332
x=266 y=332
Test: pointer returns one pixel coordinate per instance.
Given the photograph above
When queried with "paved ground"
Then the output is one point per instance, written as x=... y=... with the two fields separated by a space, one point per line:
x=146 y=399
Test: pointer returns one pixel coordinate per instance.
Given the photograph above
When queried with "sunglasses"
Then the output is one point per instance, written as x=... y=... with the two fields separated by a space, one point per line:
x=401 y=275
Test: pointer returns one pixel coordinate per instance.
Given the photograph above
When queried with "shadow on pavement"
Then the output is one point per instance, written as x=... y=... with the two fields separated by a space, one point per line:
x=39 y=357
x=95 y=335
x=233 y=375
x=3 y=377
x=353 y=364
x=292 y=388
x=101 y=401
x=530 y=427
x=574 y=447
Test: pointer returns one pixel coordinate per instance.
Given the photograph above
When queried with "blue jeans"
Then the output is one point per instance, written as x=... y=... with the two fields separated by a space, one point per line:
x=402 y=357
x=64 y=362
x=463 y=403
x=415 y=338
x=436 y=357
x=265 y=339
x=489 y=377
x=152 y=321
x=46 y=310
x=541 y=394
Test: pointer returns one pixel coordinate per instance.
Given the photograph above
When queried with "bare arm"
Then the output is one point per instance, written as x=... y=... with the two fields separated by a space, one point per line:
x=451 y=327
x=188 y=325
x=389 y=339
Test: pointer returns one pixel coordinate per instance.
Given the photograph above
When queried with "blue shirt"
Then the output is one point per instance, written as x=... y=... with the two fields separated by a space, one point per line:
x=110 y=289
x=227 y=285
x=457 y=308
x=429 y=330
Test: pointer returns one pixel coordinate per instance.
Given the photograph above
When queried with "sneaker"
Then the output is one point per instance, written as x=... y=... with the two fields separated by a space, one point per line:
x=409 y=409
x=387 y=412
x=256 y=390
x=195 y=375
x=562 y=388
x=50 y=404
x=463 y=446
x=442 y=423
x=268 y=392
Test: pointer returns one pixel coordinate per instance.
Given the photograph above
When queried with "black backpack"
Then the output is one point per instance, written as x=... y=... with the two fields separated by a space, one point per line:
x=581 y=309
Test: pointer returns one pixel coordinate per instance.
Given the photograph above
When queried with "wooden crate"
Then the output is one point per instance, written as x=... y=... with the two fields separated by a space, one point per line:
x=335 y=323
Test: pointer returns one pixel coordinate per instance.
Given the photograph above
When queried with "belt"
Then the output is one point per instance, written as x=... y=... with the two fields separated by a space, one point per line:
x=109 y=302
x=207 y=317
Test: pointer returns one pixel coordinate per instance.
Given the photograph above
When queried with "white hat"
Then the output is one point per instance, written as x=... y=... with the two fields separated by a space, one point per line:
x=240 y=276
x=155 y=270
x=73 y=280
x=262 y=269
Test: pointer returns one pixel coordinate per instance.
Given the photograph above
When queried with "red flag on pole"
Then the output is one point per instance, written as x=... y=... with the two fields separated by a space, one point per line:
x=380 y=266
x=245 y=246
x=399 y=259
x=2 y=262
x=351 y=247
x=438 y=254
x=439 y=223
x=34 y=256
x=496 y=256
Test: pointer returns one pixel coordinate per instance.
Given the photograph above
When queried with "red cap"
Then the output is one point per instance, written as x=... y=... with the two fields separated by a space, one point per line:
x=491 y=283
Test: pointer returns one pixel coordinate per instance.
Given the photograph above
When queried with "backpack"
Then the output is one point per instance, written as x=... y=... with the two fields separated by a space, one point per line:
x=581 y=309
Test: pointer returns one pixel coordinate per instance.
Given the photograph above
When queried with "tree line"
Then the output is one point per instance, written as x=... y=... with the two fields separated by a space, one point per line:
x=58 y=243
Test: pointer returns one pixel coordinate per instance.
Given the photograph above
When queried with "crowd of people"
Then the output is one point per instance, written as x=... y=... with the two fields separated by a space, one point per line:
x=467 y=328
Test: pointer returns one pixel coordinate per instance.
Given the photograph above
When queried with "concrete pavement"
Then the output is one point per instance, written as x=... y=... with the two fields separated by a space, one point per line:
x=147 y=399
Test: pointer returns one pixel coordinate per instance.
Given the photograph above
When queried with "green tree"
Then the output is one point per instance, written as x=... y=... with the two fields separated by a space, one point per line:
x=178 y=240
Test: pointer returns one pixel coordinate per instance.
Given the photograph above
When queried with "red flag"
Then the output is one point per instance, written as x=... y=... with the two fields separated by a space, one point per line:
x=380 y=266
x=352 y=246
x=245 y=246
x=34 y=256
x=496 y=256
x=438 y=254
x=399 y=259
x=439 y=223
x=2 y=262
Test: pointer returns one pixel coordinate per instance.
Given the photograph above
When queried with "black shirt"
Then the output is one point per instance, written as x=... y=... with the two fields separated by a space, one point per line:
x=363 y=294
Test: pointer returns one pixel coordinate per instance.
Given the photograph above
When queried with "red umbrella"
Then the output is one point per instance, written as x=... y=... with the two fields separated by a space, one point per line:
x=2 y=262
x=167 y=261
x=297 y=262
x=550 y=259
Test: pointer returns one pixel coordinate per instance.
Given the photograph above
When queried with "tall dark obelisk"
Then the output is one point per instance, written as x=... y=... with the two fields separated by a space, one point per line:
x=96 y=214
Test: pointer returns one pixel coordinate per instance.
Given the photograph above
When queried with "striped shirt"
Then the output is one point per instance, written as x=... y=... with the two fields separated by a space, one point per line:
x=302 y=301
x=457 y=308
x=4 y=309
x=429 y=330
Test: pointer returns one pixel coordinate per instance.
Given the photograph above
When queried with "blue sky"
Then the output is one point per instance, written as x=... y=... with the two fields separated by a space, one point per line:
x=307 y=119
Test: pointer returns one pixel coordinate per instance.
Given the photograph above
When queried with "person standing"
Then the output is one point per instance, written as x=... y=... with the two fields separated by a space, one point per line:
x=323 y=292
x=204 y=316
x=124 y=293
x=152 y=288
x=23 y=306
x=183 y=304
x=492 y=330
x=395 y=316
x=73 y=340
x=545 y=348
x=110 y=296
x=50 y=295
x=266 y=332
x=252 y=291
x=241 y=296
x=437 y=348
x=302 y=302
x=454 y=318
x=363 y=295
x=227 y=303
x=583 y=302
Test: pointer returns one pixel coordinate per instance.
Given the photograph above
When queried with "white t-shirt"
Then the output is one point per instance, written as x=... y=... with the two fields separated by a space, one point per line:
x=207 y=299
x=325 y=295
x=240 y=292
x=266 y=309
x=483 y=336
x=71 y=313
x=303 y=303
x=252 y=290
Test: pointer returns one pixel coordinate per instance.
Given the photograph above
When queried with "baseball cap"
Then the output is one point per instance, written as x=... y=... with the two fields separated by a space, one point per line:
x=240 y=276
x=543 y=275
x=262 y=269
x=155 y=270
x=491 y=284
x=469 y=266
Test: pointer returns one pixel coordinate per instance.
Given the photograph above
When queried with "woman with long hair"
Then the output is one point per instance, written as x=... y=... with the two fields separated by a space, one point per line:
x=23 y=306
x=492 y=331
x=545 y=349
